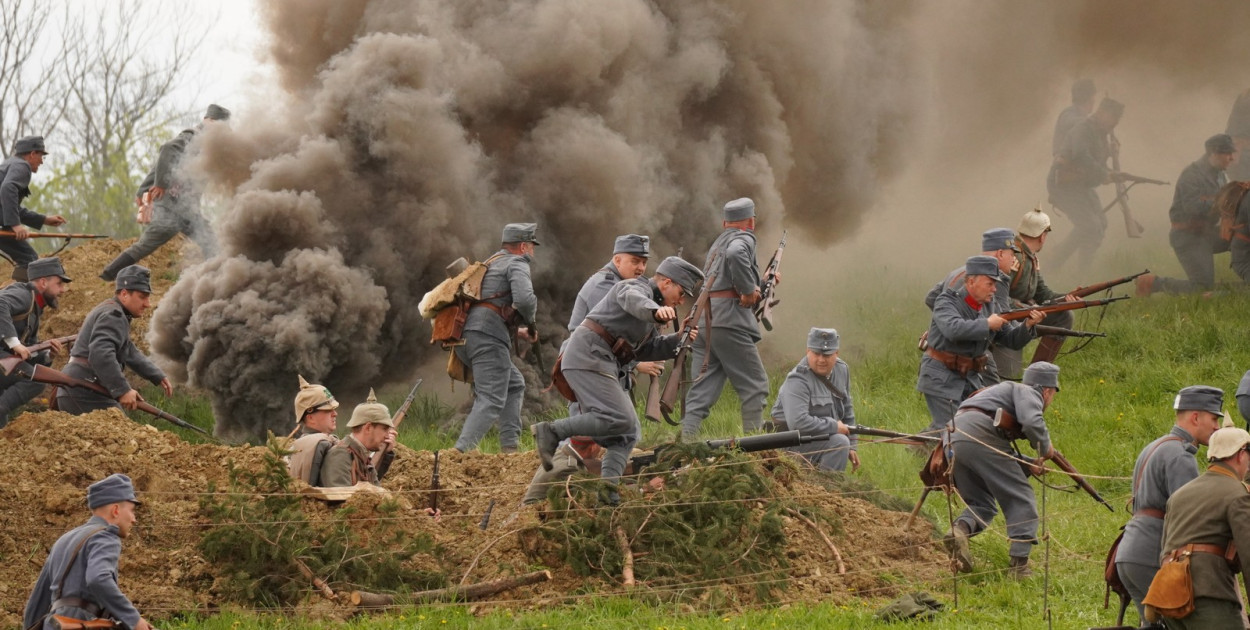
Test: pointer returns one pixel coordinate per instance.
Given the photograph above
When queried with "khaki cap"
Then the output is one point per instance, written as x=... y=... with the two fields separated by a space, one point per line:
x=1226 y=442
x=312 y=397
x=370 y=412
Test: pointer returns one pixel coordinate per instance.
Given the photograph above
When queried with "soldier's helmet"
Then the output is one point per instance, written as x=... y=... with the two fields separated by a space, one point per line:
x=1034 y=223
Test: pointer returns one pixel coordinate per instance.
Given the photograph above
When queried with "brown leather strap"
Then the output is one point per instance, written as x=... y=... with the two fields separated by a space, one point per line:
x=620 y=348
x=1229 y=553
x=725 y=293
x=1137 y=481
x=1192 y=226
x=1151 y=512
x=957 y=362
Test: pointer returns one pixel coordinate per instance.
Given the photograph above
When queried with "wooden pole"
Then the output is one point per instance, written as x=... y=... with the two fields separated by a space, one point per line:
x=362 y=599
x=628 y=571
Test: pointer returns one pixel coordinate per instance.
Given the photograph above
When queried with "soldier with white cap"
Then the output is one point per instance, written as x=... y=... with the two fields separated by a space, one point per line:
x=1205 y=519
x=728 y=350
x=621 y=328
x=815 y=399
x=316 y=419
x=79 y=578
x=507 y=308
x=1161 y=469
x=349 y=462
x=984 y=466
x=1027 y=287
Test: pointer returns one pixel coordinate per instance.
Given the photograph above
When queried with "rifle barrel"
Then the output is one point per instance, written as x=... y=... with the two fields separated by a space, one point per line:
x=1101 y=286
x=1022 y=313
x=11 y=234
x=858 y=429
x=1067 y=467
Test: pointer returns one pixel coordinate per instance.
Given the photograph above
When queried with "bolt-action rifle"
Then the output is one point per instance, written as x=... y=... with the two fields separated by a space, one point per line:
x=749 y=444
x=1007 y=423
x=1055 y=331
x=395 y=420
x=47 y=375
x=1123 y=182
x=1087 y=291
x=1023 y=313
x=685 y=343
x=895 y=436
x=768 y=292
x=46 y=344
x=67 y=236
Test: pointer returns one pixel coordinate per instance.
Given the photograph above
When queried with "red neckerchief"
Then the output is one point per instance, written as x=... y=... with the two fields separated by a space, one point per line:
x=40 y=301
x=976 y=306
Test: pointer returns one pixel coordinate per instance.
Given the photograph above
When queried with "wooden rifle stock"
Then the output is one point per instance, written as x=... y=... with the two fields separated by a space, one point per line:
x=1132 y=227
x=47 y=343
x=653 y=412
x=1101 y=286
x=1007 y=423
x=1023 y=313
x=764 y=308
x=395 y=420
x=685 y=342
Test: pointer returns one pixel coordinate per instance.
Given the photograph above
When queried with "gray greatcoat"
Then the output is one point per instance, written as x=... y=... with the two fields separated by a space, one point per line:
x=732 y=354
x=498 y=386
x=608 y=415
x=1001 y=303
x=1162 y=468
x=178 y=210
x=102 y=351
x=960 y=328
x=93 y=578
x=811 y=407
x=14 y=187
x=985 y=474
x=20 y=312
x=1195 y=235
x=1080 y=167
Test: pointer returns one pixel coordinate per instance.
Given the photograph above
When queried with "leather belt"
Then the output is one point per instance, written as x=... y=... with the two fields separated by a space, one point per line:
x=1192 y=226
x=1229 y=553
x=957 y=362
x=92 y=608
x=725 y=293
x=620 y=347
x=79 y=361
x=1153 y=513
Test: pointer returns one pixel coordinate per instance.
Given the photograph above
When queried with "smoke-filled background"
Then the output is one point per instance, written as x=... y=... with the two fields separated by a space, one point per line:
x=403 y=134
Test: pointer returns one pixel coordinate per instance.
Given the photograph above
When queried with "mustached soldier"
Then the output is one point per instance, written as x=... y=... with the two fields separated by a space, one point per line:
x=103 y=349
x=815 y=399
x=508 y=307
x=621 y=328
x=21 y=311
x=15 y=175
x=175 y=206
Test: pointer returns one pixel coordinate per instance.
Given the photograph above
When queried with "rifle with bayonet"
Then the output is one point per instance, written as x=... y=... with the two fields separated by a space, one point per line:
x=1016 y=314
x=49 y=376
x=1123 y=182
x=395 y=420
x=1087 y=291
x=749 y=444
x=685 y=343
x=64 y=235
x=768 y=292
x=894 y=436
x=1007 y=423
x=1055 y=331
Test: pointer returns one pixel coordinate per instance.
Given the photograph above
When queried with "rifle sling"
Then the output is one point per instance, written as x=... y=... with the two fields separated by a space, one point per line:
x=1137 y=482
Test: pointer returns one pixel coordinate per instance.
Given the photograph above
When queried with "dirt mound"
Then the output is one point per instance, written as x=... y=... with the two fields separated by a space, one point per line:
x=58 y=455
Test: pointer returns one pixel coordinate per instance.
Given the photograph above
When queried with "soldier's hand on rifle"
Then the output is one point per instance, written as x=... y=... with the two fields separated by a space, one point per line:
x=1071 y=298
x=777 y=276
x=22 y=352
x=995 y=322
x=1035 y=318
x=749 y=299
x=54 y=220
x=388 y=442
x=650 y=368
x=130 y=400
x=854 y=457
x=434 y=513
x=528 y=334
x=157 y=192
x=56 y=346
x=1036 y=468
x=843 y=428
x=20 y=232
x=167 y=386
x=665 y=314
x=144 y=625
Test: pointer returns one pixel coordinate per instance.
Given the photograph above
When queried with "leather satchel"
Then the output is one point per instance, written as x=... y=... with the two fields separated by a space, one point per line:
x=1171 y=593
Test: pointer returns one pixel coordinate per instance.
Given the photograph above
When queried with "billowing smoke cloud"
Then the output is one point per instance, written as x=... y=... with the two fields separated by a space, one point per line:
x=413 y=130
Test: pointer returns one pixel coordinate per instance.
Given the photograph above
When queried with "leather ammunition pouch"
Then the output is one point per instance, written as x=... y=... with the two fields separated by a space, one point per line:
x=559 y=382
x=449 y=324
x=1172 y=590
x=958 y=362
x=457 y=369
x=620 y=347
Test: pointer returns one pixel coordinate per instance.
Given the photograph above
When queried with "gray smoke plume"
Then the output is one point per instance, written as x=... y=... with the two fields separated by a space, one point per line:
x=412 y=131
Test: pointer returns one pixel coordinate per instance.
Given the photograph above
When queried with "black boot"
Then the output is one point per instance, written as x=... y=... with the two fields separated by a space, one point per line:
x=121 y=262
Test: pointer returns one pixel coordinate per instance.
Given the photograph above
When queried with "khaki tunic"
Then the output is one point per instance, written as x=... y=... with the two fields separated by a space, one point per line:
x=1212 y=509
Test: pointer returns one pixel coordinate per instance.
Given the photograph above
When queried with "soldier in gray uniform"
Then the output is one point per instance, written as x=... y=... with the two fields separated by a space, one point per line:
x=317 y=414
x=621 y=328
x=1195 y=235
x=79 y=578
x=104 y=349
x=176 y=206
x=729 y=347
x=1079 y=167
x=508 y=307
x=1162 y=468
x=1204 y=518
x=15 y=175
x=984 y=473
x=1243 y=397
x=1083 y=92
x=960 y=334
x=1239 y=129
x=21 y=310
x=815 y=399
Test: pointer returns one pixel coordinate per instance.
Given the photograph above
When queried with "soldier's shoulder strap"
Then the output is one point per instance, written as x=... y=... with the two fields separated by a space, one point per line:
x=24 y=316
x=1146 y=462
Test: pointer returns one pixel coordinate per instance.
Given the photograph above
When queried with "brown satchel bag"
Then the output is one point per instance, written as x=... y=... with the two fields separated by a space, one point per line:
x=1171 y=593
x=560 y=383
x=69 y=623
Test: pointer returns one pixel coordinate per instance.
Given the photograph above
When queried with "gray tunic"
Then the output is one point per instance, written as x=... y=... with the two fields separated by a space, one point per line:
x=20 y=312
x=15 y=176
x=93 y=577
x=735 y=269
x=1022 y=401
x=811 y=408
x=960 y=329
x=1243 y=397
x=165 y=173
x=1068 y=119
x=506 y=283
x=592 y=291
x=104 y=343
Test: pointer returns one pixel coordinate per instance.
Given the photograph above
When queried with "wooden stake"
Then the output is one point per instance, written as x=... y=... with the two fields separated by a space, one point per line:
x=628 y=571
x=816 y=528
x=317 y=582
x=362 y=599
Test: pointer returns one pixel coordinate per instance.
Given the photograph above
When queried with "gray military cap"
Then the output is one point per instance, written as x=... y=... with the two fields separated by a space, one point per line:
x=635 y=244
x=998 y=238
x=520 y=233
x=823 y=340
x=112 y=489
x=46 y=268
x=1042 y=374
x=1220 y=143
x=683 y=273
x=217 y=112
x=1112 y=107
x=739 y=209
x=135 y=278
x=1200 y=398
x=28 y=144
x=981 y=266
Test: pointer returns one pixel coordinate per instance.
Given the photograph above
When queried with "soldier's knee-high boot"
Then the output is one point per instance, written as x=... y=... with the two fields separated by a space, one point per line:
x=121 y=262
x=1018 y=568
x=1047 y=349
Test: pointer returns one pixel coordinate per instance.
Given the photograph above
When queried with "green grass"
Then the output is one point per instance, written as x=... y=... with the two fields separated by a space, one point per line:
x=1116 y=397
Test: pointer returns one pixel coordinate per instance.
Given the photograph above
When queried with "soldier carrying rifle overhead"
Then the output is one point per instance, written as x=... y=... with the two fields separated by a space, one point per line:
x=21 y=311
x=815 y=399
x=623 y=327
